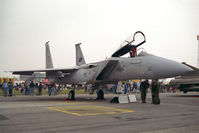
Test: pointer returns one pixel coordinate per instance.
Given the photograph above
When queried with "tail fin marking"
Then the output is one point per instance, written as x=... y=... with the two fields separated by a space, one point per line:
x=49 y=62
x=79 y=56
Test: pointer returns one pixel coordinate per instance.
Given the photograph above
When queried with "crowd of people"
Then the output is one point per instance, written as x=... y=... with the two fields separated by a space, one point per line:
x=29 y=88
x=26 y=88
x=7 y=88
x=143 y=86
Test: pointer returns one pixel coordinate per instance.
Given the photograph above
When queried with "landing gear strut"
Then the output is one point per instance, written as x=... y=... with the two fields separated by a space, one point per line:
x=100 y=95
x=71 y=95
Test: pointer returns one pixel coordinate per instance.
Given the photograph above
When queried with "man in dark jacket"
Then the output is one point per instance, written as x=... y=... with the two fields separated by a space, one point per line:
x=40 y=88
x=143 y=88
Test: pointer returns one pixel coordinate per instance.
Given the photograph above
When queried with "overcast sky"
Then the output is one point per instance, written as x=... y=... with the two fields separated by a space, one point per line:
x=101 y=26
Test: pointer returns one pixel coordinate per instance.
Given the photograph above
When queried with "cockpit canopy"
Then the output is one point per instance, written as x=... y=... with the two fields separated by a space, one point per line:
x=143 y=53
x=129 y=47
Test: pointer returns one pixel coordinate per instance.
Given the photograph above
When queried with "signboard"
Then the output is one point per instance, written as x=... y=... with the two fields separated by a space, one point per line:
x=132 y=98
x=123 y=99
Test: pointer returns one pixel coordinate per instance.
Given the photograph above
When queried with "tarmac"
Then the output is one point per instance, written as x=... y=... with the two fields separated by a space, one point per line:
x=177 y=113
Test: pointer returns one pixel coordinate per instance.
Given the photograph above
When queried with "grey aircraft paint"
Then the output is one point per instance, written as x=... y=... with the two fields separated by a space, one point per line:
x=79 y=56
x=143 y=66
x=49 y=62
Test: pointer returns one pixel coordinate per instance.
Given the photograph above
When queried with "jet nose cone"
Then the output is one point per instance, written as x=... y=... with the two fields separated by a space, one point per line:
x=177 y=69
x=167 y=68
x=182 y=69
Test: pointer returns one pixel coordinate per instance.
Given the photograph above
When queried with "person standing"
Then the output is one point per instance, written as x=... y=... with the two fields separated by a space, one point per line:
x=40 y=88
x=32 y=85
x=54 y=89
x=10 y=88
x=50 y=89
x=155 y=92
x=37 y=88
x=143 y=88
x=134 y=87
x=85 y=88
x=0 y=84
x=128 y=88
x=26 y=88
x=125 y=88
x=5 y=88
x=115 y=89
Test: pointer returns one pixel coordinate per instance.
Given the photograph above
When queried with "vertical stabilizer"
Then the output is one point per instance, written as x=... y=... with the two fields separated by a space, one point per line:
x=49 y=62
x=79 y=56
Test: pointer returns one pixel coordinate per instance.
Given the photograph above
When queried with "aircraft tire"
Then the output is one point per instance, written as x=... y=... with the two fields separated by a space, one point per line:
x=100 y=95
x=71 y=95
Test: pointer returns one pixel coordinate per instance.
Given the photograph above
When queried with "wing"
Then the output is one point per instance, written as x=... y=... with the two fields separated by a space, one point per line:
x=51 y=70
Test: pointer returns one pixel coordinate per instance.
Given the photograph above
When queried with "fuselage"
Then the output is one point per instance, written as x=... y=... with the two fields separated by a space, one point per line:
x=144 y=66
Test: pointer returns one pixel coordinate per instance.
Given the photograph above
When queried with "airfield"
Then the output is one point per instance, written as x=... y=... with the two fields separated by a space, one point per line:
x=178 y=112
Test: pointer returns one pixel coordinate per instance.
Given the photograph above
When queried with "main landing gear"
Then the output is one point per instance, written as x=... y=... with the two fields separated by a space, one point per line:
x=100 y=95
x=71 y=95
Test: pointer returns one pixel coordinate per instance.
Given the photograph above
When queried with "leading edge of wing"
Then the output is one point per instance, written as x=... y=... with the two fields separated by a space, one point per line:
x=30 y=72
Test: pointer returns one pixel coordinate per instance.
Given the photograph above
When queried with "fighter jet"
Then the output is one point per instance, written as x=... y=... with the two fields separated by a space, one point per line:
x=113 y=69
x=188 y=82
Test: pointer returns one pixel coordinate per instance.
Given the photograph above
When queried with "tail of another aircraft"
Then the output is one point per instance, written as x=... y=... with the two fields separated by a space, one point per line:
x=79 y=56
x=49 y=62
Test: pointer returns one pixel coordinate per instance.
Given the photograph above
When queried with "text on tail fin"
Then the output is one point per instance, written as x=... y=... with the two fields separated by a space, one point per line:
x=79 y=56
x=49 y=62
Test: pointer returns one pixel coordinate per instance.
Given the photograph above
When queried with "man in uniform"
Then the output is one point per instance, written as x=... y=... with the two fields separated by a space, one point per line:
x=143 y=88
x=155 y=92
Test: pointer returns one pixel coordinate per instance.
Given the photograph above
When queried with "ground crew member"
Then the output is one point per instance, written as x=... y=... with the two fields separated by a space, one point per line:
x=143 y=88
x=155 y=92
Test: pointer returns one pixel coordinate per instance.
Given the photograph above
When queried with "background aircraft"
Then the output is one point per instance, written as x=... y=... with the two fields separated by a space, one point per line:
x=188 y=82
x=113 y=69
